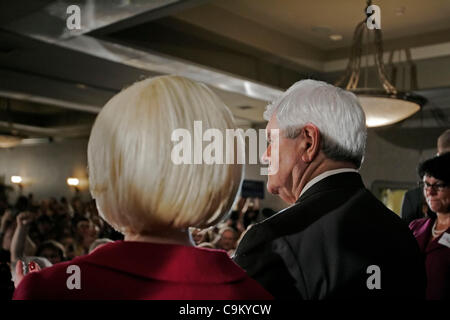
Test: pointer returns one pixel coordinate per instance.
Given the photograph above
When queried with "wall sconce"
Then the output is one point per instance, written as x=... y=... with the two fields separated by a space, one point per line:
x=74 y=182
x=19 y=181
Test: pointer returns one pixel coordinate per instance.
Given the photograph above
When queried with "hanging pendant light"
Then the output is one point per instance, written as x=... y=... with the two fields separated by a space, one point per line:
x=382 y=104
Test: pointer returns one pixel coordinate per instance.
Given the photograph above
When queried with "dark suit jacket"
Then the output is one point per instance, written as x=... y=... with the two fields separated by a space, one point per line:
x=322 y=246
x=141 y=270
x=412 y=205
x=437 y=259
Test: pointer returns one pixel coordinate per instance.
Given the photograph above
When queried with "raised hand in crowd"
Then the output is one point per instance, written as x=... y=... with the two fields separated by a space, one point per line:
x=21 y=244
x=31 y=267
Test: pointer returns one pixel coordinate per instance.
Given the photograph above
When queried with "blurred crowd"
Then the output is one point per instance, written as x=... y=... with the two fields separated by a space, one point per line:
x=227 y=234
x=51 y=231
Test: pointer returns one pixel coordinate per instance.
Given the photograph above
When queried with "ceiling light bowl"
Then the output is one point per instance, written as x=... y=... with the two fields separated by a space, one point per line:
x=384 y=109
x=384 y=105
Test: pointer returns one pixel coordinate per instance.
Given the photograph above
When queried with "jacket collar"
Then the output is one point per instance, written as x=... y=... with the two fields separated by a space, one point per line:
x=335 y=181
x=288 y=220
x=323 y=175
x=167 y=262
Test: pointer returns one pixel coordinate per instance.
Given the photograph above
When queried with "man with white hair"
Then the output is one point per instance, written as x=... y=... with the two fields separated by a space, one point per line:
x=336 y=240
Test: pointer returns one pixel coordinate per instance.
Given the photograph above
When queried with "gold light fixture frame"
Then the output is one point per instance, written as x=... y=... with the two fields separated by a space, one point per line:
x=384 y=105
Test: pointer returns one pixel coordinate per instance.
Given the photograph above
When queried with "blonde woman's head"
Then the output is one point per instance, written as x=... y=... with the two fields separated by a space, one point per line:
x=137 y=187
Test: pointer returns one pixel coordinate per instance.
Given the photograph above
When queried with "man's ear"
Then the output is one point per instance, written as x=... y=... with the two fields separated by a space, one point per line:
x=311 y=137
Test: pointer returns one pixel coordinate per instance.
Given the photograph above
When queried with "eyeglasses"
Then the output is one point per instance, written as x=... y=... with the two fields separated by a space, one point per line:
x=435 y=187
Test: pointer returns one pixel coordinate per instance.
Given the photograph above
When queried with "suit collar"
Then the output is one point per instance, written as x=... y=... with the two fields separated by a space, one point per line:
x=167 y=262
x=334 y=181
x=323 y=175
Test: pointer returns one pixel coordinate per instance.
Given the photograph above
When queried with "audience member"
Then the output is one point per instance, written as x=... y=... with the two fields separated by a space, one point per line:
x=98 y=243
x=7 y=227
x=198 y=235
x=207 y=245
x=6 y=283
x=69 y=246
x=52 y=250
x=85 y=234
x=433 y=233
x=227 y=240
x=414 y=205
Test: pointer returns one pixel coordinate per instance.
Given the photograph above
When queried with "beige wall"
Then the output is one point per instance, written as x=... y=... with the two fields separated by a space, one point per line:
x=389 y=162
x=46 y=167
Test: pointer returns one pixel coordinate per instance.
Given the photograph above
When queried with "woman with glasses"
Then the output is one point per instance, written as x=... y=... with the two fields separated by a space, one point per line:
x=433 y=233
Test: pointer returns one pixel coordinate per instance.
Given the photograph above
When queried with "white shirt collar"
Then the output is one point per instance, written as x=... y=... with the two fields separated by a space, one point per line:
x=323 y=175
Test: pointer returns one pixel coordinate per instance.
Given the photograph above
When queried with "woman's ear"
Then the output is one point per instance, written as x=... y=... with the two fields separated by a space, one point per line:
x=311 y=136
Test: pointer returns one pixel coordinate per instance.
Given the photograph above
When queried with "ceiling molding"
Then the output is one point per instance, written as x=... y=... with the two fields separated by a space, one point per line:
x=417 y=53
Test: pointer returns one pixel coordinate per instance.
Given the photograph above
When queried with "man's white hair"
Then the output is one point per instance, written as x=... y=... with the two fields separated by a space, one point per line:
x=335 y=112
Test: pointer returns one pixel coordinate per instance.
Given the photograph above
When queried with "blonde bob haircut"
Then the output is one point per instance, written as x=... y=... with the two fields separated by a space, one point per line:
x=137 y=187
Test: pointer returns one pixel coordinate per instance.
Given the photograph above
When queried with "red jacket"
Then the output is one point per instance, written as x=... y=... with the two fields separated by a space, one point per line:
x=437 y=259
x=139 y=270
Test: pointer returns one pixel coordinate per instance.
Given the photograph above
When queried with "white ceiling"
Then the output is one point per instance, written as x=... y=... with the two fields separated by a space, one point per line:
x=277 y=29
x=308 y=21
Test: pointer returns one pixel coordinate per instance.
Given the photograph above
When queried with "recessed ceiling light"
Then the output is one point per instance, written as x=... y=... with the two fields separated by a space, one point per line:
x=400 y=11
x=336 y=37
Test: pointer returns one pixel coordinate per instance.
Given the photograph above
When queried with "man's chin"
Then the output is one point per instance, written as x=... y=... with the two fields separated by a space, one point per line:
x=272 y=189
